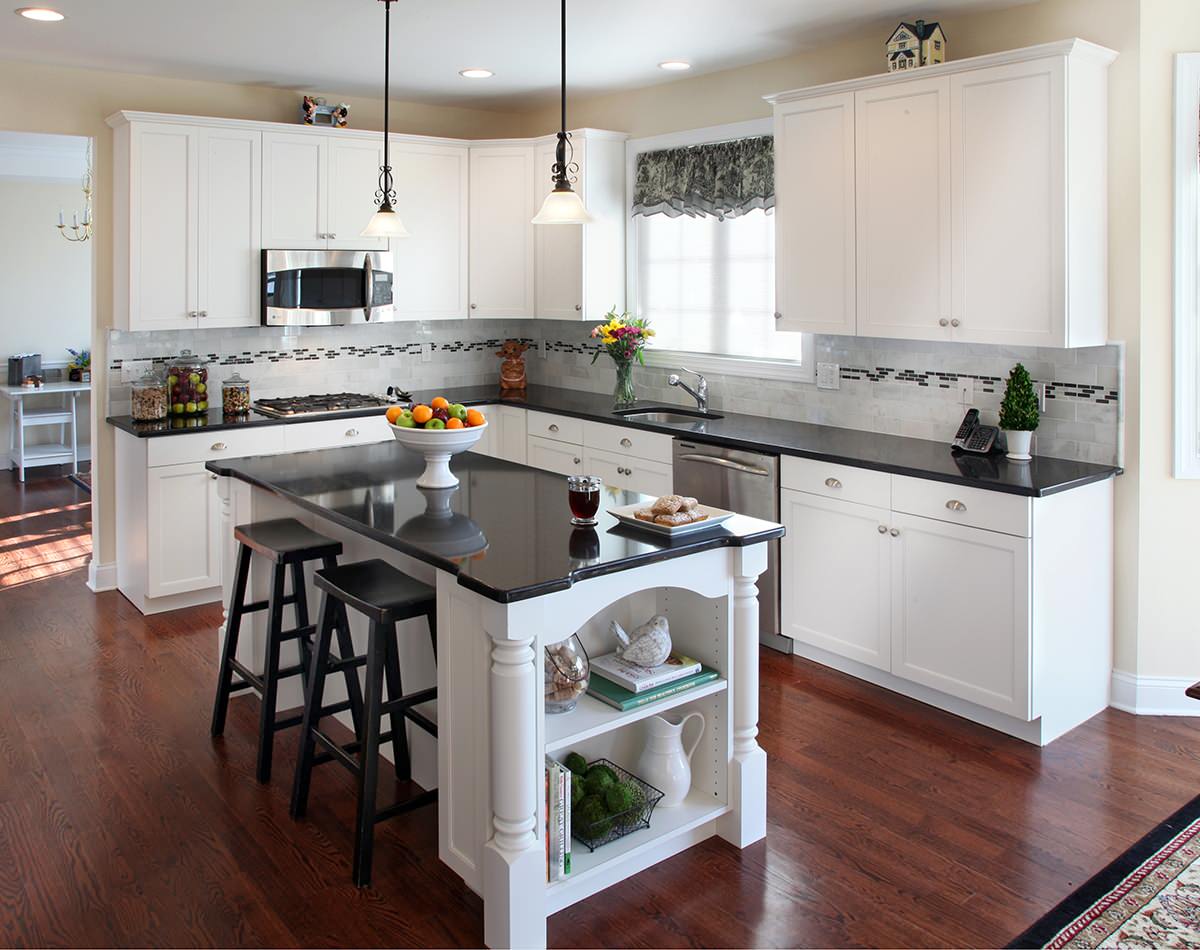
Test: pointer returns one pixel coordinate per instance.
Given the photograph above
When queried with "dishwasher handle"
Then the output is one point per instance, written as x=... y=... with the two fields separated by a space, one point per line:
x=727 y=463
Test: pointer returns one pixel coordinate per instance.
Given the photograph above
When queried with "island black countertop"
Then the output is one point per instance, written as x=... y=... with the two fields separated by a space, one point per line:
x=505 y=531
x=898 y=455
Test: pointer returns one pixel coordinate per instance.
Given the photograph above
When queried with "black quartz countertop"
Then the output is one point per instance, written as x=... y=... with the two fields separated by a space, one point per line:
x=505 y=531
x=215 y=421
x=899 y=455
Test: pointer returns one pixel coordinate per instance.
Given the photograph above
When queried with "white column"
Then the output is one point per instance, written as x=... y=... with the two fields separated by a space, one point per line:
x=514 y=865
x=746 y=822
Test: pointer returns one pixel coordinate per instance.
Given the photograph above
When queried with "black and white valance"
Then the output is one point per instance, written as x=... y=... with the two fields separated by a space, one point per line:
x=721 y=179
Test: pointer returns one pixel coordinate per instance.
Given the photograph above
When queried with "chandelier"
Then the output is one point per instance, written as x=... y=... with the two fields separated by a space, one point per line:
x=78 y=232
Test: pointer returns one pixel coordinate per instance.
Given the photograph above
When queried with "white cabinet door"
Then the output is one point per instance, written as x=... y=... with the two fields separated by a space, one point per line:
x=431 y=271
x=295 y=186
x=559 y=247
x=551 y=456
x=815 y=279
x=961 y=612
x=628 y=473
x=1007 y=132
x=162 y=227
x=902 y=190
x=183 y=527
x=490 y=440
x=502 y=238
x=353 y=177
x=511 y=445
x=836 y=564
x=229 y=222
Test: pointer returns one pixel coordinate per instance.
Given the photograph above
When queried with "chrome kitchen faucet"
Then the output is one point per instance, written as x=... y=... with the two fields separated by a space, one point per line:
x=700 y=393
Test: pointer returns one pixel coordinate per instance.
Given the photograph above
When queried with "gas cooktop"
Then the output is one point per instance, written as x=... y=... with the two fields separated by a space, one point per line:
x=319 y=405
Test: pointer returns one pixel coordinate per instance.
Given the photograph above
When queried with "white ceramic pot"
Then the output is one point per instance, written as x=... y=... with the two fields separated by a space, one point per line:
x=664 y=764
x=1018 y=444
x=437 y=445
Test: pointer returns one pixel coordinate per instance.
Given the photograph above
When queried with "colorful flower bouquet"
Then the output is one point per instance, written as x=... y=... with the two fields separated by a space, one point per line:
x=624 y=338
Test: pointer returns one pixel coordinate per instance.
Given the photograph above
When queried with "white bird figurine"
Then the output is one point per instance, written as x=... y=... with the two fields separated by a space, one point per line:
x=649 y=645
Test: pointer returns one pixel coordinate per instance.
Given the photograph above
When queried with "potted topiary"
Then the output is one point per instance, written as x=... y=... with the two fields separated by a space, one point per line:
x=1019 y=413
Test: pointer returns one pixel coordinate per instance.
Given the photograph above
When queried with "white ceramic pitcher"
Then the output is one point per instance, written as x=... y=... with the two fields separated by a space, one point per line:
x=664 y=764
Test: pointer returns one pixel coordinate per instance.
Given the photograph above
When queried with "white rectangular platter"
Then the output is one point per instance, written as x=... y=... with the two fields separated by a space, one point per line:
x=625 y=515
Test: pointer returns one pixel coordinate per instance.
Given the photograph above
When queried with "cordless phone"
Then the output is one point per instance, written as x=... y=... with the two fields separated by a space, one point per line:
x=975 y=438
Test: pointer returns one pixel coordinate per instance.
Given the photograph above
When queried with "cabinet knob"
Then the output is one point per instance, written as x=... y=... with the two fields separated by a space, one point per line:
x=212 y=476
x=474 y=306
x=955 y=505
x=954 y=323
x=832 y=483
x=943 y=322
x=778 y=315
x=351 y=433
x=578 y=307
x=883 y=529
x=218 y=447
x=203 y=314
x=553 y=427
x=895 y=532
x=575 y=460
x=625 y=443
x=332 y=237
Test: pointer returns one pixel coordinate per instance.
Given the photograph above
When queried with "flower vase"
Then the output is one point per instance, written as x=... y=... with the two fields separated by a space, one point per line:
x=623 y=394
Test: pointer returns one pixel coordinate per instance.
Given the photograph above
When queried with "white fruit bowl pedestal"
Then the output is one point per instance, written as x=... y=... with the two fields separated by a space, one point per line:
x=437 y=445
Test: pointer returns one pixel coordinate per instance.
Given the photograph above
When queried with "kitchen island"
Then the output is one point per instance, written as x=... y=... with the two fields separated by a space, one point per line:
x=513 y=576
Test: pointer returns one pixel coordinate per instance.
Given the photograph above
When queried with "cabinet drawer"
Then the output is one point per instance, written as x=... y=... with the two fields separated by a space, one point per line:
x=330 y=433
x=859 y=485
x=624 y=440
x=551 y=456
x=558 y=428
x=204 y=446
x=629 y=474
x=994 y=511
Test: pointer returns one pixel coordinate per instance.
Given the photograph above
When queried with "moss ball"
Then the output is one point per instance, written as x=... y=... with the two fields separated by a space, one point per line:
x=577 y=792
x=576 y=763
x=590 y=817
x=619 y=798
x=599 y=777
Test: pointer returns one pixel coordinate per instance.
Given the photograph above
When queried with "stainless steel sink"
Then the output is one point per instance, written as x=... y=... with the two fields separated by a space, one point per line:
x=667 y=415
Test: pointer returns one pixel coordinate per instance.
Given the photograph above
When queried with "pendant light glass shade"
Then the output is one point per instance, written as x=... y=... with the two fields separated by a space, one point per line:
x=385 y=223
x=563 y=207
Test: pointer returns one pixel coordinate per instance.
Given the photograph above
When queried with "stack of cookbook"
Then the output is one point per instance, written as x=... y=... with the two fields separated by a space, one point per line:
x=558 y=820
x=625 y=686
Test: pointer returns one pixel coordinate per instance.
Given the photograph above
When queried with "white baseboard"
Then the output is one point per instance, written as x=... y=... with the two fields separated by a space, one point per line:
x=1153 y=695
x=101 y=576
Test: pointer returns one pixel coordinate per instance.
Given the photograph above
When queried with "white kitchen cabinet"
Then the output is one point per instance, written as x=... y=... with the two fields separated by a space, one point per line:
x=502 y=238
x=980 y=201
x=504 y=437
x=184 y=543
x=815 y=227
x=960 y=612
x=431 y=264
x=551 y=456
x=187 y=225
x=825 y=603
x=628 y=473
x=903 y=211
x=353 y=180
x=581 y=268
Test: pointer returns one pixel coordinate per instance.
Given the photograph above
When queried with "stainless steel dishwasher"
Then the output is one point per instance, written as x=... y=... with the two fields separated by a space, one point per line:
x=748 y=483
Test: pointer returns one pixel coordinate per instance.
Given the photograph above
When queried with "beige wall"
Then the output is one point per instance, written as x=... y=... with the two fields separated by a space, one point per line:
x=76 y=102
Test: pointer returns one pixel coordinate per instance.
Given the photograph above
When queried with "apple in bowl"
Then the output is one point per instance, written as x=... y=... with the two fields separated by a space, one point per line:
x=437 y=431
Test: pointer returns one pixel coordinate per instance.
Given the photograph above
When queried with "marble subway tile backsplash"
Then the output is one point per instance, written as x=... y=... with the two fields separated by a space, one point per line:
x=892 y=386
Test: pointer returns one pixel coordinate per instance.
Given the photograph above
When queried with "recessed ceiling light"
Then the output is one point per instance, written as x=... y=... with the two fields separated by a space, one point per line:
x=43 y=14
x=476 y=73
x=674 y=65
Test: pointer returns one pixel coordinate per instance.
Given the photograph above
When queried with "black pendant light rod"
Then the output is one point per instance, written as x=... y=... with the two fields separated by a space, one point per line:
x=386 y=193
x=562 y=164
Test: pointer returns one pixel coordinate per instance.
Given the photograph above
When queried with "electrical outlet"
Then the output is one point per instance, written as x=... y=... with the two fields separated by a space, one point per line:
x=966 y=390
x=829 y=376
x=542 y=348
x=133 y=369
x=1041 y=396
x=426 y=352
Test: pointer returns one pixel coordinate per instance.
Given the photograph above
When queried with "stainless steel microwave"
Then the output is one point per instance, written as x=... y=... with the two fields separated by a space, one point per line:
x=326 y=288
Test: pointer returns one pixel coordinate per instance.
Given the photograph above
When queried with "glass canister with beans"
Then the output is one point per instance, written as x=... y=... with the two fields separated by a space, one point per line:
x=235 y=396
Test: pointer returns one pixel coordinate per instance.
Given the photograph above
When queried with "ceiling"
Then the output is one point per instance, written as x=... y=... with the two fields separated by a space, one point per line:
x=337 y=45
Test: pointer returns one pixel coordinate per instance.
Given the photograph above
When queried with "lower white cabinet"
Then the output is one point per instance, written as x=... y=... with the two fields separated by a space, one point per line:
x=624 y=458
x=184 y=529
x=504 y=437
x=551 y=456
x=628 y=473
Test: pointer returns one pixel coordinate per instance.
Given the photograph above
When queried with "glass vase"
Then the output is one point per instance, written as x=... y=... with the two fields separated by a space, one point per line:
x=623 y=394
x=567 y=671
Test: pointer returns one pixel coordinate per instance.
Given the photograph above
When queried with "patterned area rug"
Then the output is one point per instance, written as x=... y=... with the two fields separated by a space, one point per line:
x=1148 y=897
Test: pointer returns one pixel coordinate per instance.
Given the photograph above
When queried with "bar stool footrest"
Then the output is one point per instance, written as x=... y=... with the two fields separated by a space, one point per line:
x=399 y=808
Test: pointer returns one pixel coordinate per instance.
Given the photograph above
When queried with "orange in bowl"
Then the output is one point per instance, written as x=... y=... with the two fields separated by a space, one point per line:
x=422 y=414
x=393 y=413
x=453 y=423
x=440 y=402
x=475 y=417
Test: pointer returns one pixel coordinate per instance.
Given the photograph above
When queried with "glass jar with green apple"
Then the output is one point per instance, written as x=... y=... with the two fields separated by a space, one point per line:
x=187 y=385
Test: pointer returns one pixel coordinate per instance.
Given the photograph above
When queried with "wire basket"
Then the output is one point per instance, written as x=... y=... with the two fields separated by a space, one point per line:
x=604 y=830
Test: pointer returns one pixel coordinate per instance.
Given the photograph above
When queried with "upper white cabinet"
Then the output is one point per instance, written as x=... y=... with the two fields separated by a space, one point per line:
x=814 y=142
x=979 y=201
x=187 y=225
x=502 y=237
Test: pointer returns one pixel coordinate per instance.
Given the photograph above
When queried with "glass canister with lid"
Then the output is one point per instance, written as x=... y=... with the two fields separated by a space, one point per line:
x=187 y=385
x=148 y=400
x=235 y=396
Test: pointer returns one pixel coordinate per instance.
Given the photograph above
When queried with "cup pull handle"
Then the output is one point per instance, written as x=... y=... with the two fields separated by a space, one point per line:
x=955 y=505
x=218 y=447
x=625 y=443
x=832 y=483
x=351 y=433
x=553 y=427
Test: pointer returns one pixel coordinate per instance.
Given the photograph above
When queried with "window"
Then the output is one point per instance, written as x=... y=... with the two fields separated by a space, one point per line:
x=1187 y=265
x=707 y=284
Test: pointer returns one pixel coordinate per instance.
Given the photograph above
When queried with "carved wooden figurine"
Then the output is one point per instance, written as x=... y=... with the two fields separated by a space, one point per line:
x=512 y=370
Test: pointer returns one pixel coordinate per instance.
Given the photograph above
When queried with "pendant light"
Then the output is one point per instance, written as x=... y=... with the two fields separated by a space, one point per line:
x=385 y=222
x=563 y=205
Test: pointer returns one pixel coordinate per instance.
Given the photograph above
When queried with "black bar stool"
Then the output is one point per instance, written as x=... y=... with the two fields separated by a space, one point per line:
x=288 y=545
x=386 y=596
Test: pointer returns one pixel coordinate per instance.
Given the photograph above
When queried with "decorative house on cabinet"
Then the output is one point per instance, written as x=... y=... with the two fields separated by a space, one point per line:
x=916 y=44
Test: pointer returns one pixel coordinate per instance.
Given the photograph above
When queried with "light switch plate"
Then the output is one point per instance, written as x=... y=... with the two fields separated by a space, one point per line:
x=966 y=390
x=542 y=348
x=426 y=352
x=829 y=376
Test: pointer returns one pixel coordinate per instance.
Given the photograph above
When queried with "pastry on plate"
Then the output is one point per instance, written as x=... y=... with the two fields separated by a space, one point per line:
x=644 y=514
x=667 y=505
x=674 y=520
x=687 y=503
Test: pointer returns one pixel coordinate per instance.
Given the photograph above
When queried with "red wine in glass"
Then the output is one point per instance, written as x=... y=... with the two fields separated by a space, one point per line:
x=583 y=495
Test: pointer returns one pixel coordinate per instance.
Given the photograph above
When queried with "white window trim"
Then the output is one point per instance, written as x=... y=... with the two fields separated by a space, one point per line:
x=706 y=362
x=1187 y=261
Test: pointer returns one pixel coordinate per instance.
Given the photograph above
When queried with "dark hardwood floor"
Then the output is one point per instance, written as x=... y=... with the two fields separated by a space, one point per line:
x=890 y=824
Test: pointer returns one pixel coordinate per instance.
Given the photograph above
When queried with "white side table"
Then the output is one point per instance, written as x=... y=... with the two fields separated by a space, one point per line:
x=63 y=415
